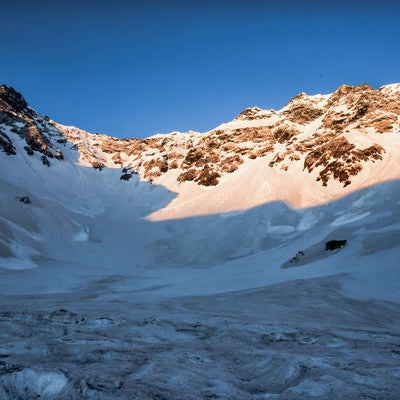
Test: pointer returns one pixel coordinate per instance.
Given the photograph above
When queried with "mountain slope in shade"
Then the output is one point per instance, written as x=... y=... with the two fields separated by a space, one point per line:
x=258 y=260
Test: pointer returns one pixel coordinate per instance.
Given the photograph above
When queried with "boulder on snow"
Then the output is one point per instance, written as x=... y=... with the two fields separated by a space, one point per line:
x=29 y=150
x=335 y=244
x=25 y=200
x=125 y=177
x=45 y=160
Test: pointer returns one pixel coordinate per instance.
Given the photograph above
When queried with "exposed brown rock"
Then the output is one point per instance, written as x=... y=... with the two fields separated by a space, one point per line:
x=249 y=114
x=284 y=133
x=96 y=164
x=230 y=164
x=302 y=110
x=188 y=175
x=155 y=167
x=340 y=160
x=207 y=177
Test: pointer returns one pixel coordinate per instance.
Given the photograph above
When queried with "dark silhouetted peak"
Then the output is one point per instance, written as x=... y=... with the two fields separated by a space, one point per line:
x=13 y=98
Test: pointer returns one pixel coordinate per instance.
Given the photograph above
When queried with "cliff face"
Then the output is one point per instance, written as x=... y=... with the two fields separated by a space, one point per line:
x=332 y=137
x=18 y=119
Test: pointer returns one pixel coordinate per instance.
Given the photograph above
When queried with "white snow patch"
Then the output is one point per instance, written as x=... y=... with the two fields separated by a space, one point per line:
x=15 y=263
x=82 y=235
x=31 y=383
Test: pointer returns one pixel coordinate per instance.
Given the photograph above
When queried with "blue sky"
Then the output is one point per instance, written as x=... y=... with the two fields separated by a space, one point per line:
x=130 y=68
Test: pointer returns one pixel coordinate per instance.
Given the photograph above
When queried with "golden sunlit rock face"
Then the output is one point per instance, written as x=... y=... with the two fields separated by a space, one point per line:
x=333 y=135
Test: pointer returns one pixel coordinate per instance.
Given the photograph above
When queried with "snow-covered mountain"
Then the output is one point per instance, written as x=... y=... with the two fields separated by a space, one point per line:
x=256 y=260
x=316 y=149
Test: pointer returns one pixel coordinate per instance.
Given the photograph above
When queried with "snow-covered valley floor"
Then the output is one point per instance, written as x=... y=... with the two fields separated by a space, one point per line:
x=297 y=340
x=100 y=302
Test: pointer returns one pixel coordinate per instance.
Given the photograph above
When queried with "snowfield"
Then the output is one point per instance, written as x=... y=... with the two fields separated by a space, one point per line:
x=114 y=289
x=101 y=302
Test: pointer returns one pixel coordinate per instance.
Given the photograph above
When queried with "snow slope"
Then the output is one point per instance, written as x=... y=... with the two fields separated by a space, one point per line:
x=114 y=289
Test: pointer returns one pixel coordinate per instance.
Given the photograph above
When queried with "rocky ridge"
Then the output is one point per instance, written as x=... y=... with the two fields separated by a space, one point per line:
x=333 y=137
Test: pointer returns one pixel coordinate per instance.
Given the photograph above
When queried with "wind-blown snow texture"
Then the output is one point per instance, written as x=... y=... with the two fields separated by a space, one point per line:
x=156 y=286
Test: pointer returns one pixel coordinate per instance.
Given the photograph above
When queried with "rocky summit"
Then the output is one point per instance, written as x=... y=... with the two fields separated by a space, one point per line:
x=335 y=135
x=346 y=139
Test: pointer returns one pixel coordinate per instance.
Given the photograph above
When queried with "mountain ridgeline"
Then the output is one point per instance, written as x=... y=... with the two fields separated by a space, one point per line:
x=331 y=138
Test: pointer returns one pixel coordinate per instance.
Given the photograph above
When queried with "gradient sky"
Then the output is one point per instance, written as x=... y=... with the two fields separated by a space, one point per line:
x=129 y=68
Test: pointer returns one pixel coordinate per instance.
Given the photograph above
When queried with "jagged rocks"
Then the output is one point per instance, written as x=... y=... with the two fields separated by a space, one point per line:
x=380 y=122
x=250 y=114
x=6 y=145
x=189 y=175
x=98 y=165
x=302 y=109
x=278 y=158
x=127 y=174
x=284 y=133
x=338 y=148
x=230 y=164
x=207 y=177
x=29 y=150
x=196 y=157
x=340 y=160
x=155 y=167
x=23 y=121
x=59 y=155
x=45 y=160
x=9 y=97
x=36 y=140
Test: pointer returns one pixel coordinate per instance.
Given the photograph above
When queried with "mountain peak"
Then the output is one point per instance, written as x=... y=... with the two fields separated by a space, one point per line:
x=13 y=99
x=329 y=142
x=249 y=113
